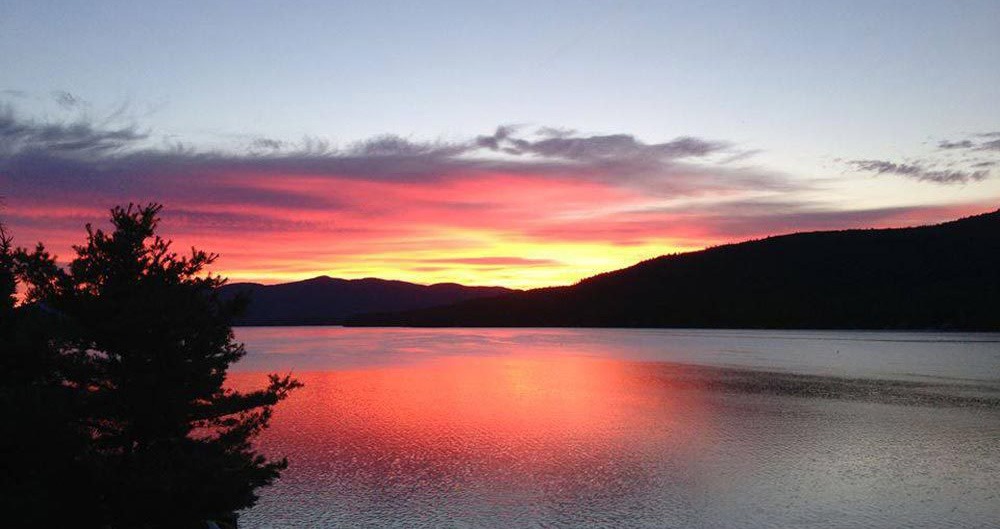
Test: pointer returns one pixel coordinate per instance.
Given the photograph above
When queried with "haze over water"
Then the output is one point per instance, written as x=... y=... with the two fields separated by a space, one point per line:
x=630 y=428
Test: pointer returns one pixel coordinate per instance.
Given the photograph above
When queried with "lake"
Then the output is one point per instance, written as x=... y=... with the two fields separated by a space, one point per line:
x=567 y=428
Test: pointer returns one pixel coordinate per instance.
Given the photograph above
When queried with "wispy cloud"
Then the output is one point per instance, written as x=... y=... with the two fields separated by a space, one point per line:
x=963 y=144
x=972 y=162
x=992 y=145
x=21 y=136
x=919 y=172
x=974 y=144
x=82 y=156
x=67 y=100
x=32 y=150
x=568 y=145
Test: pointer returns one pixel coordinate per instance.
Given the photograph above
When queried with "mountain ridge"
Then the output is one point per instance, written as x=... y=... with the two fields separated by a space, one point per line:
x=942 y=276
x=325 y=300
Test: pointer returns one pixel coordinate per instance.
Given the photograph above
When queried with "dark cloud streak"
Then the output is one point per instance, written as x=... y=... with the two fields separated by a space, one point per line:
x=19 y=136
x=993 y=145
x=563 y=144
x=919 y=172
x=964 y=144
x=67 y=100
x=81 y=157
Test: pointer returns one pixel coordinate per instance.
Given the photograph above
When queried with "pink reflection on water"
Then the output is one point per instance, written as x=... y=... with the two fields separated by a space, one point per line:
x=571 y=428
x=501 y=429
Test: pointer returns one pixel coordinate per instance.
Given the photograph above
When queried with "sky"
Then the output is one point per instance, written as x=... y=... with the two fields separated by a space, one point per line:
x=521 y=144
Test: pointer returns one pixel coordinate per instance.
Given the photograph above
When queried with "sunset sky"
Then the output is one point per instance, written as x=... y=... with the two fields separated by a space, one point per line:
x=521 y=144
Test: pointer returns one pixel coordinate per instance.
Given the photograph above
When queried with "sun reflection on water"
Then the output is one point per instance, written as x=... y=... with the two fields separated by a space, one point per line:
x=493 y=429
x=497 y=427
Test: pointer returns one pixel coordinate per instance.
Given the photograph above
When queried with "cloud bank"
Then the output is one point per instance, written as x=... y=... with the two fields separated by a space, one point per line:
x=517 y=206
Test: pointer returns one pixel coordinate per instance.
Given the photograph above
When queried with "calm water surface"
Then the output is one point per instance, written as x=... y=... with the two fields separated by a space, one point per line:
x=630 y=428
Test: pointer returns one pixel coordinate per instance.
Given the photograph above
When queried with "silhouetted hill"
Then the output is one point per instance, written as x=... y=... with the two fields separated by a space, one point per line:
x=945 y=276
x=325 y=300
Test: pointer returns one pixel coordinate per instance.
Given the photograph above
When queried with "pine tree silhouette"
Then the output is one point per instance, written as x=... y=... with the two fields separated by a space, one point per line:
x=144 y=343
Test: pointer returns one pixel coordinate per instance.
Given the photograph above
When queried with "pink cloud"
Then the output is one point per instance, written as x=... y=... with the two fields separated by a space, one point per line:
x=500 y=208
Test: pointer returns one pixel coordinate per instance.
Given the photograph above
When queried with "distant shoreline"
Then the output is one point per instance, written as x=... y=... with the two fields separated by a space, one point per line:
x=753 y=329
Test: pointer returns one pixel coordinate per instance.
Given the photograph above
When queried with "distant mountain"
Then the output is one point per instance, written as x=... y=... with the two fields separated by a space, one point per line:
x=945 y=276
x=326 y=300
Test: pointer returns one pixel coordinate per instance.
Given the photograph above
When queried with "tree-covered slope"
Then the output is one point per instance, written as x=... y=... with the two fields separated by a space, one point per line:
x=945 y=276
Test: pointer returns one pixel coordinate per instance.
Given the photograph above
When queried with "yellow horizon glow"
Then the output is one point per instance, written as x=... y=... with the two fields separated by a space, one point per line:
x=570 y=263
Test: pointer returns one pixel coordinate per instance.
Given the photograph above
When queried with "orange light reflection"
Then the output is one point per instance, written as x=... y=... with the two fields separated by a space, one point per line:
x=564 y=422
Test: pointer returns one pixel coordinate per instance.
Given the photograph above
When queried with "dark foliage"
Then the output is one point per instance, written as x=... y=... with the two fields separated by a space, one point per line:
x=7 y=284
x=44 y=473
x=934 y=277
x=329 y=301
x=116 y=366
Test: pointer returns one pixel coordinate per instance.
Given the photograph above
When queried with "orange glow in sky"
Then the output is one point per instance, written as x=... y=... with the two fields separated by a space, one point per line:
x=515 y=230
